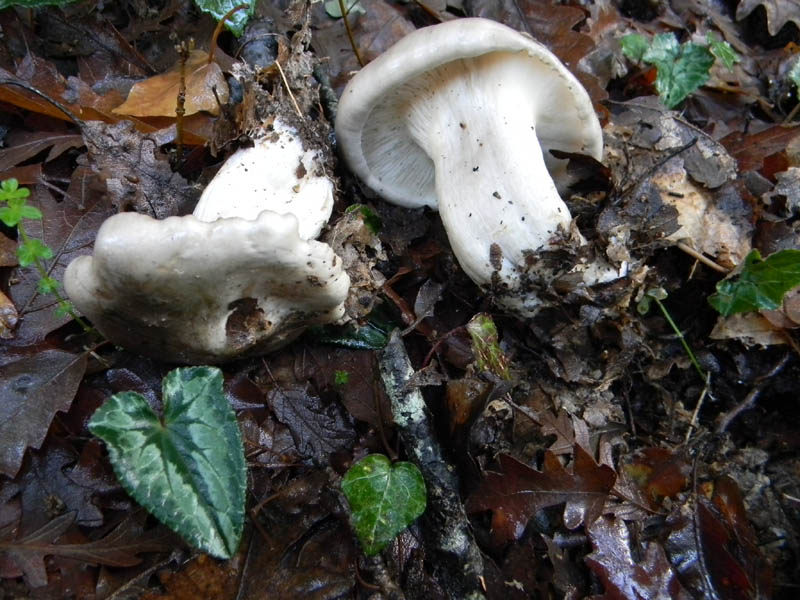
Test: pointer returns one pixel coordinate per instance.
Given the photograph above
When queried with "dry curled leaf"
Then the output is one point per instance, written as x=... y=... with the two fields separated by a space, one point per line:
x=779 y=12
x=157 y=96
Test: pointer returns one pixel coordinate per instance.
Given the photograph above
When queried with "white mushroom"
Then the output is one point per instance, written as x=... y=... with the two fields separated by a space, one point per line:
x=461 y=117
x=215 y=286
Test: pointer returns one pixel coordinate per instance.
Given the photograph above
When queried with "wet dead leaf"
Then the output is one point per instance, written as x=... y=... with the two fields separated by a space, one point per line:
x=318 y=427
x=158 y=95
x=517 y=493
x=32 y=390
x=623 y=577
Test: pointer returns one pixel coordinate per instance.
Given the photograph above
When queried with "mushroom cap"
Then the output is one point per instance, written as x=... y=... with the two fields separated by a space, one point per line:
x=370 y=124
x=277 y=173
x=189 y=291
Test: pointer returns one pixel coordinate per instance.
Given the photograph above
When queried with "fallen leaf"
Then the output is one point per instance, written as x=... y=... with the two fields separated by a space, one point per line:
x=517 y=493
x=318 y=427
x=157 y=96
x=779 y=12
x=8 y=317
x=117 y=549
x=623 y=578
x=202 y=578
x=32 y=390
x=749 y=328
x=35 y=142
x=659 y=471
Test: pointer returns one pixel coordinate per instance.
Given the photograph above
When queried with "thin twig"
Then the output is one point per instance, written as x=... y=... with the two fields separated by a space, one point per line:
x=724 y=421
x=696 y=412
x=701 y=257
x=350 y=33
x=288 y=89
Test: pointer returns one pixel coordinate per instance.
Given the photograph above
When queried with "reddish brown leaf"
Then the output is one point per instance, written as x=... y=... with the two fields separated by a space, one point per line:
x=118 y=548
x=712 y=561
x=660 y=472
x=750 y=150
x=32 y=390
x=201 y=578
x=517 y=493
x=624 y=579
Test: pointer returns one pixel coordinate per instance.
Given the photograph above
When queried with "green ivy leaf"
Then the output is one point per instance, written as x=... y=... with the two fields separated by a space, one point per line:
x=760 y=285
x=187 y=468
x=33 y=250
x=634 y=45
x=384 y=499
x=723 y=51
x=219 y=8
x=682 y=69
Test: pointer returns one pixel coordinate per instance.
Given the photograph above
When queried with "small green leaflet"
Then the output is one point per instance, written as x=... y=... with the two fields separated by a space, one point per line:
x=760 y=285
x=219 y=8
x=634 y=45
x=186 y=468
x=723 y=51
x=384 y=498
x=488 y=354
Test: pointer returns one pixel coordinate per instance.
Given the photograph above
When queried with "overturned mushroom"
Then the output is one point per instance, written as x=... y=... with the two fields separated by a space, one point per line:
x=461 y=117
x=239 y=277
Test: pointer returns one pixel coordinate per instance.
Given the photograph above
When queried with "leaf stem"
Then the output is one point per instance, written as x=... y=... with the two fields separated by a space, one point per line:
x=685 y=344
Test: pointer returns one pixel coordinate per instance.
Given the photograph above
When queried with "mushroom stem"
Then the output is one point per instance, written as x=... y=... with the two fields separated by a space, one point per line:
x=497 y=199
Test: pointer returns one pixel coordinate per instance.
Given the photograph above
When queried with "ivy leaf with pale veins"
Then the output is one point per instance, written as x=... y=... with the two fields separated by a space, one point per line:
x=517 y=493
x=760 y=285
x=385 y=498
x=187 y=468
x=32 y=390
x=682 y=68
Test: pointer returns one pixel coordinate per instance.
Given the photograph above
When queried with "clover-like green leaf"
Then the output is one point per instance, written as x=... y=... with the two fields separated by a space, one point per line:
x=31 y=251
x=187 y=468
x=384 y=498
x=760 y=285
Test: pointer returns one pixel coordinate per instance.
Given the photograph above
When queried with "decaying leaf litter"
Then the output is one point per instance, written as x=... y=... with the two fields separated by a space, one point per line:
x=592 y=456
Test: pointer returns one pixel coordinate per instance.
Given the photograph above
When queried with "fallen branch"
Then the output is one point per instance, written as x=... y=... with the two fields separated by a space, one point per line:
x=447 y=530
